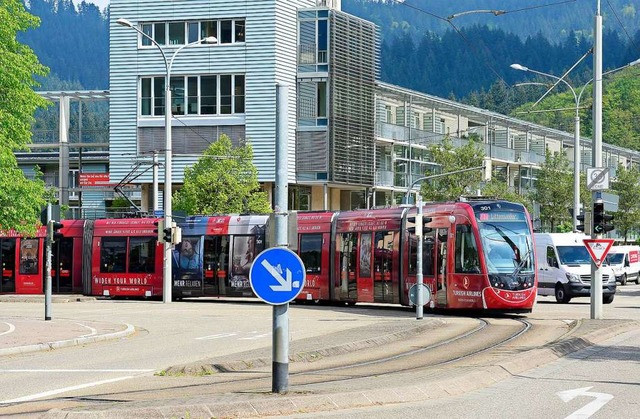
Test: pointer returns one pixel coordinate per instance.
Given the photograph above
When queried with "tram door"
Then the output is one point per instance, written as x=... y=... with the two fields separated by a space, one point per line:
x=216 y=265
x=364 y=280
x=347 y=286
x=383 y=266
x=62 y=274
x=8 y=260
x=441 y=266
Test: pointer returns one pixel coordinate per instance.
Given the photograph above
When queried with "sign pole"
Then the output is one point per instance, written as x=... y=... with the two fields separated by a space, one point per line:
x=280 y=335
x=419 y=278
x=47 y=267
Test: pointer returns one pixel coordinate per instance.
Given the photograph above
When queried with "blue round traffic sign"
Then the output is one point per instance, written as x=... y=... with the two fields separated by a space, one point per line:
x=277 y=275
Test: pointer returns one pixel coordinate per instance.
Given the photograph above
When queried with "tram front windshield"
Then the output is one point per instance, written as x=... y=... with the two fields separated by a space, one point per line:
x=508 y=250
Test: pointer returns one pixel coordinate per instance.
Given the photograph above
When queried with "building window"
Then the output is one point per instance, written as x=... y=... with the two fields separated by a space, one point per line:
x=194 y=95
x=176 y=33
x=226 y=31
x=321 y=97
x=208 y=95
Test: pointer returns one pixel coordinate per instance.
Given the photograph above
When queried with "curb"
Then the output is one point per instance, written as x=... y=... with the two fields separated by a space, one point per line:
x=45 y=346
x=292 y=404
x=303 y=356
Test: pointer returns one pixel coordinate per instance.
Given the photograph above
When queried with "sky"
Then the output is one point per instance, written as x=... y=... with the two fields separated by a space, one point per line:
x=100 y=3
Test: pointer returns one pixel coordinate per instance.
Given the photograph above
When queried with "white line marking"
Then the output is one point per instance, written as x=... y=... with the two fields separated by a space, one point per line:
x=589 y=409
x=62 y=390
x=93 y=331
x=264 y=335
x=12 y=328
x=218 y=336
x=78 y=370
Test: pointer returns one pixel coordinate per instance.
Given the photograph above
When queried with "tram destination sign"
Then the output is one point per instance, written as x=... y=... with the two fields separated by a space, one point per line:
x=277 y=275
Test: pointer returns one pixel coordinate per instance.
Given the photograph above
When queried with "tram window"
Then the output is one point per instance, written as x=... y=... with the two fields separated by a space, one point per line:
x=383 y=250
x=347 y=248
x=428 y=253
x=29 y=256
x=413 y=254
x=311 y=252
x=142 y=254
x=216 y=253
x=466 y=253
x=113 y=254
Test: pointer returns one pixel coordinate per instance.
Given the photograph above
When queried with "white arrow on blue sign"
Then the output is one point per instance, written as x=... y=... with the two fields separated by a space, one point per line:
x=277 y=275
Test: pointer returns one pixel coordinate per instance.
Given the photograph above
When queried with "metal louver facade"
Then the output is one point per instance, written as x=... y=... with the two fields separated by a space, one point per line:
x=353 y=71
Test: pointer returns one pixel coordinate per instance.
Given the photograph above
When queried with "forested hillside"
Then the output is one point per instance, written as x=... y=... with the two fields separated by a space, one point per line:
x=420 y=49
x=73 y=41
x=553 y=19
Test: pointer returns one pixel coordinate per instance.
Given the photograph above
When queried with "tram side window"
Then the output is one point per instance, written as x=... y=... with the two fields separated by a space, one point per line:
x=428 y=251
x=383 y=252
x=311 y=252
x=29 y=256
x=113 y=254
x=466 y=253
x=142 y=254
x=216 y=253
x=348 y=254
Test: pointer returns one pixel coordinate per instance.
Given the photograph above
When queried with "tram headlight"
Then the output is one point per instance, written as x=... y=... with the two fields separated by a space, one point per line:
x=573 y=277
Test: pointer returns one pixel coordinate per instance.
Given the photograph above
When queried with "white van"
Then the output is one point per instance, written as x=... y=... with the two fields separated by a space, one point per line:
x=564 y=268
x=625 y=262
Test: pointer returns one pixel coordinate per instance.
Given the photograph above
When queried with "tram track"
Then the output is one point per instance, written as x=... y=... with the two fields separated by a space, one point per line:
x=488 y=335
x=342 y=373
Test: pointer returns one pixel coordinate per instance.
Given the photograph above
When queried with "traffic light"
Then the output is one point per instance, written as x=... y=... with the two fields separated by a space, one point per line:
x=416 y=220
x=52 y=230
x=585 y=222
x=176 y=234
x=167 y=235
x=159 y=230
x=601 y=221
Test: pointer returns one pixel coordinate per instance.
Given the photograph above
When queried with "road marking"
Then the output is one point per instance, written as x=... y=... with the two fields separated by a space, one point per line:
x=63 y=390
x=256 y=336
x=218 y=336
x=12 y=329
x=93 y=331
x=78 y=370
x=591 y=408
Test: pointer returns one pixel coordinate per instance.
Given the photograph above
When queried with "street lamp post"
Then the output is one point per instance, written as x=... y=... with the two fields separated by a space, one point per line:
x=577 y=98
x=167 y=273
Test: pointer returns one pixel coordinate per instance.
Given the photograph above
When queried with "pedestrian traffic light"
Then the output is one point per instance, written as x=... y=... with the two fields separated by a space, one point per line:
x=159 y=230
x=52 y=230
x=416 y=220
x=601 y=221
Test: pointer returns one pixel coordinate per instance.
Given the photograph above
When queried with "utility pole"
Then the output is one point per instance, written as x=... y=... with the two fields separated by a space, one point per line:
x=596 y=272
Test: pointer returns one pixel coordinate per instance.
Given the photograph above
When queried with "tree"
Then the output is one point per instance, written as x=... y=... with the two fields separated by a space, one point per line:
x=451 y=159
x=222 y=181
x=21 y=199
x=554 y=190
x=499 y=189
x=626 y=186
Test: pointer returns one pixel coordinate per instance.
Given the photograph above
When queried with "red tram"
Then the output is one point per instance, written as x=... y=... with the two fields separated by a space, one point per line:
x=476 y=255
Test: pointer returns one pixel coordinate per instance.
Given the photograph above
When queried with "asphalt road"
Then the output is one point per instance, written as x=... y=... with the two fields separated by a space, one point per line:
x=187 y=332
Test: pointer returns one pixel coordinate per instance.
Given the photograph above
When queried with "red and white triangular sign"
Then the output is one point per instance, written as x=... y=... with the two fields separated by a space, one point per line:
x=598 y=249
